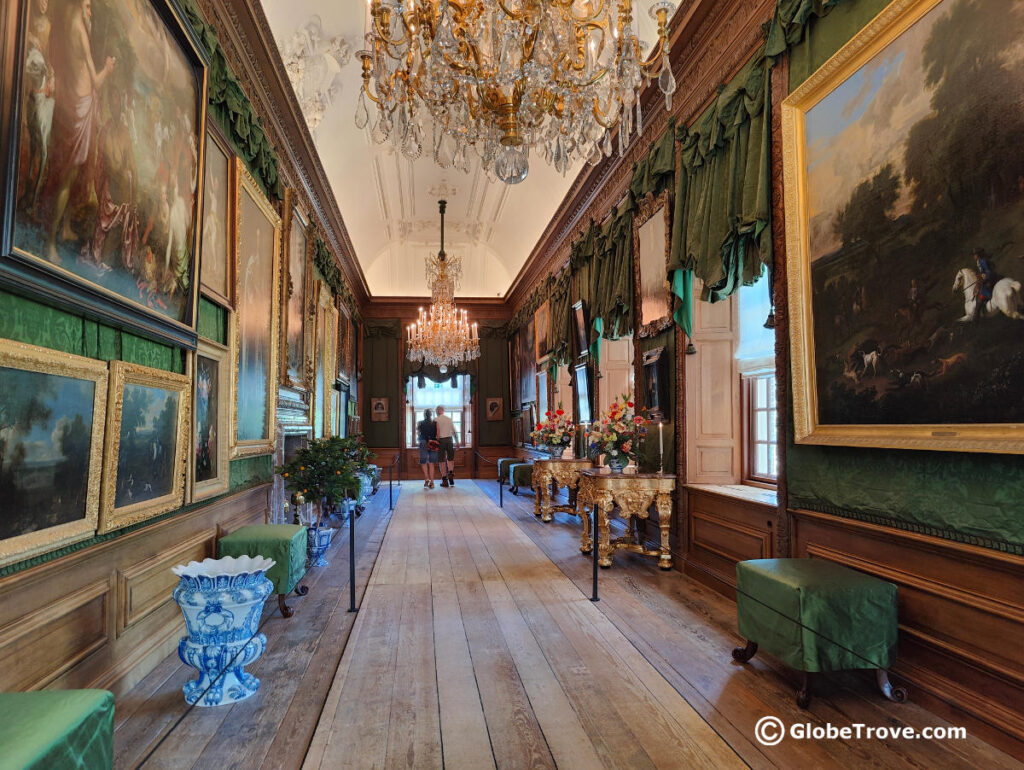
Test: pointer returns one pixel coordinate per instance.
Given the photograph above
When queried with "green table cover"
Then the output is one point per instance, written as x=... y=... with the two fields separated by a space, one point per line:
x=504 y=464
x=58 y=729
x=522 y=475
x=816 y=615
x=284 y=543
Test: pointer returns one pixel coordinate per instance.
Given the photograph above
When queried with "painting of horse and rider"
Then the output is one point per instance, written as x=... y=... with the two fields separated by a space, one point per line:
x=910 y=190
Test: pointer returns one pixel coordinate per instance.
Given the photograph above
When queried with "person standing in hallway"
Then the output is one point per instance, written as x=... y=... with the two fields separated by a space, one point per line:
x=426 y=433
x=446 y=448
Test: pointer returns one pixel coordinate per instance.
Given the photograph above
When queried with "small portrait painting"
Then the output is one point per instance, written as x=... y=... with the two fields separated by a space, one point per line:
x=379 y=411
x=495 y=409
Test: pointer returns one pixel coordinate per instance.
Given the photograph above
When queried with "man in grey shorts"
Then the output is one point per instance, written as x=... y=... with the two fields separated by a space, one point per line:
x=446 y=450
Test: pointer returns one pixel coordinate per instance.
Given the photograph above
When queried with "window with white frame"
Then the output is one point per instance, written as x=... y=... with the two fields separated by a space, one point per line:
x=457 y=403
x=756 y=362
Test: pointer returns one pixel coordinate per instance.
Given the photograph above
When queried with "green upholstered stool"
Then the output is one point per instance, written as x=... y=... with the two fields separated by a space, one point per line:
x=284 y=543
x=57 y=730
x=521 y=474
x=815 y=615
x=504 y=465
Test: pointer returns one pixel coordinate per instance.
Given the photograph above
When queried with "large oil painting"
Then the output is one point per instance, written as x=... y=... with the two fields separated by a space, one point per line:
x=255 y=349
x=905 y=191
x=296 y=281
x=210 y=397
x=146 y=444
x=52 y=408
x=110 y=104
x=215 y=256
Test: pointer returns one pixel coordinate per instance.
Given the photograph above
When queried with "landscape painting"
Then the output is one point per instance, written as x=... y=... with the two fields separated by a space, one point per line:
x=909 y=194
x=147 y=433
x=110 y=100
x=51 y=433
x=256 y=247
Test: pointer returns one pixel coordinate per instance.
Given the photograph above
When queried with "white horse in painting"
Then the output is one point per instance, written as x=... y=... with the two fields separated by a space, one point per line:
x=1006 y=298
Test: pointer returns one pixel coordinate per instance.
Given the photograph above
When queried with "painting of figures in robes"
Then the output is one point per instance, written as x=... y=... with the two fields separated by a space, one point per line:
x=905 y=183
x=110 y=105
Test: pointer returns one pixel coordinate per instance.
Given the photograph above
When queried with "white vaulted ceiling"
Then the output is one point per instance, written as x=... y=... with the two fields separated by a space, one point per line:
x=389 y=203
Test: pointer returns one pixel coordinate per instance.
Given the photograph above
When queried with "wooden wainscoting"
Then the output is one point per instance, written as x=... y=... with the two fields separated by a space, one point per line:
x=726 y=526
x=961 y=618
x=104 y=616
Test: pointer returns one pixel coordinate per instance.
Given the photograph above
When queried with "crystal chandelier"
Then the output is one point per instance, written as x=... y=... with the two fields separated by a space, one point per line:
x=443 y=335
x=508 y=76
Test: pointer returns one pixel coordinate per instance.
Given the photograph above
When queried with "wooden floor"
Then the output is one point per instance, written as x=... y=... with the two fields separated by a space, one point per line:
x=476 y=646
x=155 y=728
x=473 y=650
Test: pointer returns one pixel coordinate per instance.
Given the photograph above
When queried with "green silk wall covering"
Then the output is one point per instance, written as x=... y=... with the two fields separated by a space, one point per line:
x=972 y=498
x=381 y=379
x=26 y=320
x=250 y=471
x=493 y=382
x=213 y=321
x=648 y=456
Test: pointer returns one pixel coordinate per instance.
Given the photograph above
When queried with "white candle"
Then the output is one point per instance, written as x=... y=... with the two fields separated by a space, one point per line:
x=661 y=445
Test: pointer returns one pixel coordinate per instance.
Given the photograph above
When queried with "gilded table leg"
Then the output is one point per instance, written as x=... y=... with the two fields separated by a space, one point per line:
x=545 y=503
x=664 y=522
x=586 y=544
x=538 y=485
x=603 y=530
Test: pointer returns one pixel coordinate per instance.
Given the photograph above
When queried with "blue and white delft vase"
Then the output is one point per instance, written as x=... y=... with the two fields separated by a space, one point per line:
x=222 y=601
x=318 y=540
x=616 y=463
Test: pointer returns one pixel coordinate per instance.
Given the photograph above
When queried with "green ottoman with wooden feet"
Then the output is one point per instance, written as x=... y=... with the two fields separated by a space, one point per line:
x=815 y=615
x=57 y=729
x=521 y=475
x=504 y=466
x=284 y=543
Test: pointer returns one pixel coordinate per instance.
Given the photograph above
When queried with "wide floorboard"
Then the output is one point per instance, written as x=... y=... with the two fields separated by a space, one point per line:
x=473 y=650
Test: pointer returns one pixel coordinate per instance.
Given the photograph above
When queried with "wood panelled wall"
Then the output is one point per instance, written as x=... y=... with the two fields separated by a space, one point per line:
x=104 y=616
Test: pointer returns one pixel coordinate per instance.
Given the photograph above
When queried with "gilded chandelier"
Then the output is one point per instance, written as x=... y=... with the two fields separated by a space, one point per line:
x=508 y=76
x=442 y=335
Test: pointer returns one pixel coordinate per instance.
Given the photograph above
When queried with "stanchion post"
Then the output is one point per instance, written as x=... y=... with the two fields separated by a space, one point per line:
x=391 y=477
x=594 y=549
x=352 y=559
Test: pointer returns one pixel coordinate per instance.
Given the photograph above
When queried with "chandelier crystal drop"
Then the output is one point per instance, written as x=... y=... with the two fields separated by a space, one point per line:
x=442 y=336
x=504 y=76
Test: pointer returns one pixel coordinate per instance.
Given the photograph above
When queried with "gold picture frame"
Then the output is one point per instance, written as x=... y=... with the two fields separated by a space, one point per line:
x=248 y=190
x=650 y=264
x=217 y=147
x=21 y=357
x=324 y=367
x=869 y=45
x=295 y=220
x=118 y=505
x=220 y=482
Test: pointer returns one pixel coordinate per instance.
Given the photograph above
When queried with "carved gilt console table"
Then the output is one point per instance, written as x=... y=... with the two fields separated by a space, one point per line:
x=563 y=473
x=634 y=495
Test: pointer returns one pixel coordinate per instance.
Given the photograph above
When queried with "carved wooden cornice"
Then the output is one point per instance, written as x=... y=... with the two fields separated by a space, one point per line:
x=711 y=41
x=251 y=51
x=480 y=308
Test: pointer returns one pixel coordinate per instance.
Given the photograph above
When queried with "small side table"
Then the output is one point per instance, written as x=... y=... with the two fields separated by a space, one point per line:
x=563 y=473
x=633 y=494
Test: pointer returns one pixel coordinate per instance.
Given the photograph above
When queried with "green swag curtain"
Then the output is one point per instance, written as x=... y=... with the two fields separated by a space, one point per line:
x=559 y=317
x=721 y=225
x=581 y=263
x=654 y=172
x=612 y=276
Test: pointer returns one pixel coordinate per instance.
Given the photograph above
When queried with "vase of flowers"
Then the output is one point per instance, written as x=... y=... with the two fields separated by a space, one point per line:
x=617 y=433
x=555 y=432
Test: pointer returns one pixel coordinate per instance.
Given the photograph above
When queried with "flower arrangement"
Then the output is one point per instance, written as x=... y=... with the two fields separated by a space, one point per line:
x=556 y=431
x=616 y=433
x=324 y=471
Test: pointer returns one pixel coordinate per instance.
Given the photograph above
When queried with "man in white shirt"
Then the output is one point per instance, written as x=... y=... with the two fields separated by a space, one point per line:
x=446 y=450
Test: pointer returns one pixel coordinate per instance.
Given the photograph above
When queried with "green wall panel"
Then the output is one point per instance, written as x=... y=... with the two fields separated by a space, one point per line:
x=973 y=498
x=213 y=321
x=381 y=379
x=493 y=382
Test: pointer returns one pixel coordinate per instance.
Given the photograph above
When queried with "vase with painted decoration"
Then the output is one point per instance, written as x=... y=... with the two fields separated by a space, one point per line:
x=222 y=601
x=318 y=540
